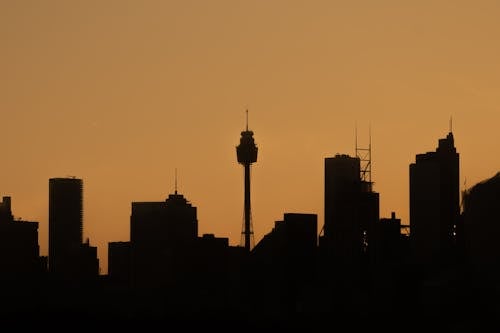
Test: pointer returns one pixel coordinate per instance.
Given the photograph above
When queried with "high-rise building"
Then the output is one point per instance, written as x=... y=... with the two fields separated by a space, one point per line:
x=351 y=210
x=342 y=185
x=434 y=203
x=65 y=222
x=480 y=216
x=19 y=250
x=162 y=235
x=69 y=257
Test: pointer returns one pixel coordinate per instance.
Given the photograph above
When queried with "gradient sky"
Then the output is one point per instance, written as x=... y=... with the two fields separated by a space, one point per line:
x=121 y=93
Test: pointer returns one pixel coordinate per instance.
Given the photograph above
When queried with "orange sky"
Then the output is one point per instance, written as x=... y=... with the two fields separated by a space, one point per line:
x=120 y=93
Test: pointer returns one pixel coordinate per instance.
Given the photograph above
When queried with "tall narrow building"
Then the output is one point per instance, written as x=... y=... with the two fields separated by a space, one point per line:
x=342 y=185
x=65 y=222
x=69 y=257
x=351 y=210
x=434 y=203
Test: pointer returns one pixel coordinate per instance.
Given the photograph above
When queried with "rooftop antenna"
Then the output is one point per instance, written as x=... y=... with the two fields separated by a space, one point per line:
x=355 y=137
x=369 y=153
x=247 y=119
x=370 y=136
x=365 y=158
x=451 y=124
x=175 y=180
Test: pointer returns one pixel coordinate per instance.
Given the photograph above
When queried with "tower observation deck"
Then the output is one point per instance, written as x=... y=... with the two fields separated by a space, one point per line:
x=246 y=152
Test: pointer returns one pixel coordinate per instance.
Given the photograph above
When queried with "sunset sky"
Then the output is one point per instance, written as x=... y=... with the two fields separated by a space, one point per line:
x=121 y=93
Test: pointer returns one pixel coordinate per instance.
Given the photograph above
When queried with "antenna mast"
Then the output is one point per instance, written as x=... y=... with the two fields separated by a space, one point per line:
x=175 y=180
x=365 y=157
x=247 y=120
x=356 y=138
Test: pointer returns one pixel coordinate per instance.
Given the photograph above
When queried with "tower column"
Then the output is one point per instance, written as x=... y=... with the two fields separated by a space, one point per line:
x=247 y=230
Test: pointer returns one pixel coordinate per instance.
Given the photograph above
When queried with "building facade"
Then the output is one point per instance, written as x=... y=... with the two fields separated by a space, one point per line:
x=434 y=203
x=480 y=217
x=69 y=257
x=162 y=237
x=19 y=249
x=351 y=211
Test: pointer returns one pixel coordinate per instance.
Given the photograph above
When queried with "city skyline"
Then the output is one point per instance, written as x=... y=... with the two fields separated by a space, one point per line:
x=168 y=272
x=121 y=95
x=321 y=224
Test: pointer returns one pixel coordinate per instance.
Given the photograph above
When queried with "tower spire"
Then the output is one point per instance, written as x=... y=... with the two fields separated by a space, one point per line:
x=355 y=137
x=369 y=135
x=451 y=124
x=247 y=120
x=175 y=180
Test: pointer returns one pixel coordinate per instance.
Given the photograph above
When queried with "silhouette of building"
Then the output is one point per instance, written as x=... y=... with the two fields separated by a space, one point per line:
x=351 y=211
x=69 y=258
x=212 y=260
x=481 y=217
x=88 y=261
x=287 y=254
x=19 y=250
x=246 y=153
x=65 y=222
x=391 y=243
x=292 y=242
x=162 y=235
x=6 y=210
x=434 y=203
x=215 y=278
x=119 y=261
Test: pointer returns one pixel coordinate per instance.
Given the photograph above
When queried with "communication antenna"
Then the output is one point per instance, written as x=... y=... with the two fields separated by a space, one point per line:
x=356 y=138
x=175 y=180
x=365 y=158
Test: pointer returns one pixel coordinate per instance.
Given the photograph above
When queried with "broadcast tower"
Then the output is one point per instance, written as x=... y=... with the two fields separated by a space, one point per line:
x=247 y=154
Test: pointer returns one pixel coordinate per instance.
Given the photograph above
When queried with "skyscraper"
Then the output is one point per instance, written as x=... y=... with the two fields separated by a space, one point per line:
x=342 y=185
x=65 y=224
x=480 y=216
x=19 y=250
x=434 y=203
x=351 y=210
x=162 y=237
